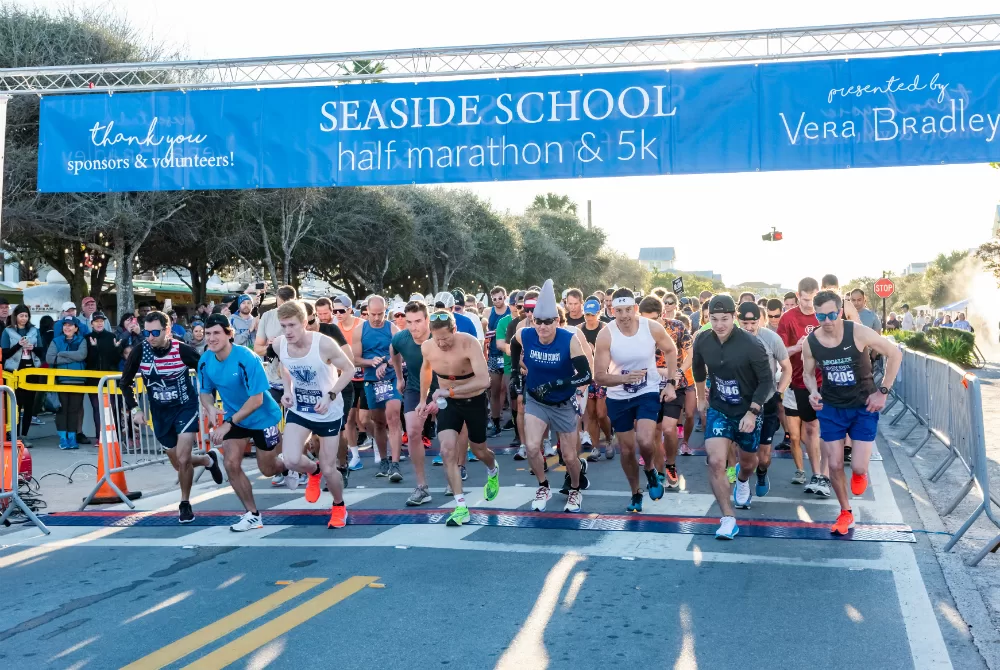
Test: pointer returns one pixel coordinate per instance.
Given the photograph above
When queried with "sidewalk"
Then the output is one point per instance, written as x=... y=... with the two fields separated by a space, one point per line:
x=976 y=589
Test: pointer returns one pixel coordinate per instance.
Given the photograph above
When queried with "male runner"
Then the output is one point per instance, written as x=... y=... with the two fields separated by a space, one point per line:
x=665 y=459
x=384 y=401
x=249 y=412
x=457 y=360
x=495 y=357
x=774 y=311
x=315 y=372
x=625 y=362
x=513 y=315
x=681 y=334
x=556 y=366
x=339 y=311
x=574 y=307
x=596 y=417
x=795 y=325
x=165 y=365
x=781 y=367
x=741 y=384
x=406 y=348
x=791 y=300
x=849 y=403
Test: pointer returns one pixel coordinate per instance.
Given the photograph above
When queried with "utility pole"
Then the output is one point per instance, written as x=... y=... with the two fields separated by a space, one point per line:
x=590 y=221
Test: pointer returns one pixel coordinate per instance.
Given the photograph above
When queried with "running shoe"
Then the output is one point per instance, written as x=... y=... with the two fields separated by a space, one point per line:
x=383 y=468
x=823 y=487
x=35 y=421
x=338 y=516
x=594 y=455
x=785 y=445
x=313 y=487
x=459 y=516
x=493 y=431
x=509 y=425
x=654 y=486
x=763 y=484
x=550 y=449
x=292 y=480
x=574 y=502
x=811 y=486
x=859 y=483
x=322 y=483
x=522 y=454
x=847 y=454
x=214 y=469
x=584 y=482
x=472 y=457
x=515 y=442
x=609 y=452
x=492 y=488
x=448 y=491
x=565 y=487
x=670 y=477
x=731 y=475
x=465 y=473
x=355 y=464
x=278 y=480
x=395 y=476
x=248 y=521
x=685 y=450
x=742 y=495
x=406 y=438
x=345 y=475
x=184 y=512
x=642 y=463
x=844 y=523
x=426 y=441
x=437 y=460
x=635 y=505
x=419 y=496
x=585 y=439
x=799 y=477
x=680 y=432
x=727 y=529
x=542 y=495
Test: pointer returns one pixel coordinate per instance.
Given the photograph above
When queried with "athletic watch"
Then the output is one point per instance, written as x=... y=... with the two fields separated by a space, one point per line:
x=672 y=381
x=754 y=410
x=332 y=395
x=883 y=390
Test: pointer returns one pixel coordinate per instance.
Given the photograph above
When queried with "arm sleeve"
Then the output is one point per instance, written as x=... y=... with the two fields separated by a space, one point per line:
x=762 y=369
x=515 y=358
x=189 y=356
x=698 y=363
x=128 y=377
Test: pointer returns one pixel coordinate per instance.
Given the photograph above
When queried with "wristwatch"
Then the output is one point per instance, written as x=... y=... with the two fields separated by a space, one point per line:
x=883 y=390
x=672 y=381
x=332 y=395
x=754 y=411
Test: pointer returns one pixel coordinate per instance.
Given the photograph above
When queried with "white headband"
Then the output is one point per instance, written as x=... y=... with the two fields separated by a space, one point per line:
x=623 y=301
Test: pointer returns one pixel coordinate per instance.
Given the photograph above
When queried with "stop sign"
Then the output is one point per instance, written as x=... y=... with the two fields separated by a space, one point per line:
x=884 y=288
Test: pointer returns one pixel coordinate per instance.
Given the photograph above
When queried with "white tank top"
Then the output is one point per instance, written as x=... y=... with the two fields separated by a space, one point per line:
x=312 y=377
x=637 y=352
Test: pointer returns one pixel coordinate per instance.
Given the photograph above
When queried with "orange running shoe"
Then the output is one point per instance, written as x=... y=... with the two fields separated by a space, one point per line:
x=427 y=442
x=313 y=488
x=858 y=484
x=406 y=439
x=845 y=522
x=338 y=516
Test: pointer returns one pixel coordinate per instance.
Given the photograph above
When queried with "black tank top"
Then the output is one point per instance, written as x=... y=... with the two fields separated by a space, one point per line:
x=591 y=335
x=847 y=371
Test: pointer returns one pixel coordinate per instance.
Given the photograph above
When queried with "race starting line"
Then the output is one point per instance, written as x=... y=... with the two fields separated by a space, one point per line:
x=683 y=525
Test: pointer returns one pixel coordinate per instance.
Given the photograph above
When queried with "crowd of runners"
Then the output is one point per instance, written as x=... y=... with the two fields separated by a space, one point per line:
x=316 y=383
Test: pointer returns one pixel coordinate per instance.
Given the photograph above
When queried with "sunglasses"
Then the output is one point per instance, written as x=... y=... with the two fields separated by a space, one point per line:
x=499 y=297
x=832 y=316
x=774 y=316
x=669 y=302
x=529 y=310
x=151 y=333
x=312 y=321
x=544 y=322
x=439 y=316
x=340 y=311
x=520 y=306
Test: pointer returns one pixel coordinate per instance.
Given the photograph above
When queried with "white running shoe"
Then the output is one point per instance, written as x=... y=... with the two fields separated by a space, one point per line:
x=522 y=453
x=355 y=462
x=542 y=496
x=585 y=439
x=550 y=449
x=741 y=494
x=292 y=480
x=823 y=487
x=278 y=480
x=685 y=450
x=248 y=521
x=727 y=529
x=574 y=502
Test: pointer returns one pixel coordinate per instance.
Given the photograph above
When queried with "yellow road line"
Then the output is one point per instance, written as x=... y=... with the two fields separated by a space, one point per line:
x=212 y=632
x=272 y=630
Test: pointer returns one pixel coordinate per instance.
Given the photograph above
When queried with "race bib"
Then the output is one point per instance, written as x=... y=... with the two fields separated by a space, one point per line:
x=272 y=436
x=384 y=390
x=840 y=375
x=166 y=395
x=498 y=362
x=359 y=374
x=637 y=386
x=306 y=400
x=728 y=390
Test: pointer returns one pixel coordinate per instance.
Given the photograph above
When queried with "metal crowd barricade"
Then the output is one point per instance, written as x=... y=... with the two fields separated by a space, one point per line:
x=119 y=435
x=9 y=498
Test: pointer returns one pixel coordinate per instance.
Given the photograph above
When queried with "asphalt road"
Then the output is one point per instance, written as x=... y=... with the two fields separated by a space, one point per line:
x=517 y=593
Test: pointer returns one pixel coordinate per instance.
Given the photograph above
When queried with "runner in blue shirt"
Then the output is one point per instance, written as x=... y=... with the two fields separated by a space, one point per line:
x=249 y=412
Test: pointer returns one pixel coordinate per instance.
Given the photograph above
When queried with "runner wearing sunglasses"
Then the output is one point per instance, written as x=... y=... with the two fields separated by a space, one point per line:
x=848 y=404
x=165 y=365
x=495 y=357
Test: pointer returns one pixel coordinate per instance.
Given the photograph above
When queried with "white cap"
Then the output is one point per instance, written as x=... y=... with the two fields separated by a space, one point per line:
x=445 y=298
x=398 y=308
x=69 y=304
x=417 y=296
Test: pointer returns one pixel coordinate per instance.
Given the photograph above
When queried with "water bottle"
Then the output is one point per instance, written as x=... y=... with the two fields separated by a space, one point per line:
x=442 y=403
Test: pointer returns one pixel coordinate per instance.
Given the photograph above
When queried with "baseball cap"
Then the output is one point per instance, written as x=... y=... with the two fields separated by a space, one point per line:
x=529 y=303
x=69 y=319
x=217 y=320
x=398 y=308
x=69 y=304
x=749 y=311
x=459 y=296
x=723 y=304
x=4 y=301
x=98 y=315
x=88 y=299
x=592 y=306
x=416 y=297
x=445 y=300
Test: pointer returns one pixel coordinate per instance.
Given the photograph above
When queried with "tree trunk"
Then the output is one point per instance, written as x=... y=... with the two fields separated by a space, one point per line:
x=199 y=278
x=123 y=282
x=97 y=276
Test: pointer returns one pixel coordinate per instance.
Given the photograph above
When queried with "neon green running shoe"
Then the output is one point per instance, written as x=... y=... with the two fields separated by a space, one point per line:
x=731 y=474
x=492 y=487
x=458 y=517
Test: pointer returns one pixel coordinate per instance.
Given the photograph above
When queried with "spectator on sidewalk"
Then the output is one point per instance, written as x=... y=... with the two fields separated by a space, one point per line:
x=103 y=355
x=21 y=343
x=892 y=323
x=5 y=319
x=962 y=324
x=196 y=337
x=68 y=351
x=907 y=320
x=946 y=323
x=69 y=309
x=88 y=307
x=129 y=333
x=46 y=329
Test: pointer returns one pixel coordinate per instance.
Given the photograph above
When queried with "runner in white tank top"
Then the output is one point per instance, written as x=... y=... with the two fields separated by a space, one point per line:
x=312 y=378
x=634 y=353
x=314 y=370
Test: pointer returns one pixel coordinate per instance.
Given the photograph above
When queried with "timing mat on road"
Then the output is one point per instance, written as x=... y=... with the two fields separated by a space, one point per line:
x=685 y=525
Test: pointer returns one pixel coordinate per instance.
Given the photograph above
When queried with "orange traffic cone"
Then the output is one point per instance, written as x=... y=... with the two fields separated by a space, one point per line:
x=106 y=494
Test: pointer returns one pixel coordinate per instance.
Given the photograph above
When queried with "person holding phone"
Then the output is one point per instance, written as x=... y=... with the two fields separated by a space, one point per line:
x=21 y=342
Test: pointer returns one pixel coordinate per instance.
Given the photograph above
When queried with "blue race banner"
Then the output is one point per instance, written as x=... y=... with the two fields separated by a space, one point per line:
x=869 y=112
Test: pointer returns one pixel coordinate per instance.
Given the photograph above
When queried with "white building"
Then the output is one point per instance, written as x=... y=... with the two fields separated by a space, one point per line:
x=657 y=259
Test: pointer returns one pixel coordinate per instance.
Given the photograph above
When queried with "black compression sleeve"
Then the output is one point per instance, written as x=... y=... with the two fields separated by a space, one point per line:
x=581 y=369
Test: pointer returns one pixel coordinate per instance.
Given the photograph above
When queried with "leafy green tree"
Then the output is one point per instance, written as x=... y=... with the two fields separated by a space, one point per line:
x=553 y=202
